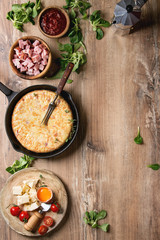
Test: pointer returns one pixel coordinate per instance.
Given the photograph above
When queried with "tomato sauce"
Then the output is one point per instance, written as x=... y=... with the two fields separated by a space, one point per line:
x=53 y=21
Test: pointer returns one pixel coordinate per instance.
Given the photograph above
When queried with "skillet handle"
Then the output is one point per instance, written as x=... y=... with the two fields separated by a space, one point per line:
x=65 y=77
x=5 y=90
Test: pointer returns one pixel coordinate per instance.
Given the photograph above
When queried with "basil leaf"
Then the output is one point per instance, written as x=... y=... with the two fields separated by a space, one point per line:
x=138 y=139
x=154 y=166
x=104 y=227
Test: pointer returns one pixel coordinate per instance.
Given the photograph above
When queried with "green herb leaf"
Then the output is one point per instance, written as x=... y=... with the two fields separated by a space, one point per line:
x=40 y=176
x=23 y=162
x=69 y=81
x=99 y=33
x=104 y=227
x=138 y=139
x=24 y=13
x=101 y=215
x=93 y=217
x=97 y=22
x=71 y=54
x=80 y=5
x=155 y=166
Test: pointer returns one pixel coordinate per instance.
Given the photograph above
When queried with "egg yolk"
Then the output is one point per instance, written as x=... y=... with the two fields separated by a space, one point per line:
x=44 y=194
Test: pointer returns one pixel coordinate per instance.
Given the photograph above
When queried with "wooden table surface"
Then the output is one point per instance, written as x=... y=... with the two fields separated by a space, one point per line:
x=117 y=91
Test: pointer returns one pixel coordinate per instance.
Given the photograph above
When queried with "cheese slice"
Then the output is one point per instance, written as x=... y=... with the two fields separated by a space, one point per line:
x=31 y=207
x=17 y=190
x=22 y=199
x=33 y=195
x=31 y=182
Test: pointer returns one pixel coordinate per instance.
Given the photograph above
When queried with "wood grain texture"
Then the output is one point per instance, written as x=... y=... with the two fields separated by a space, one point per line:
x=117 y=91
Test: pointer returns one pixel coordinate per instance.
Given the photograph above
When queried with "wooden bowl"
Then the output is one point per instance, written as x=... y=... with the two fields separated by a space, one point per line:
x=67 y=24
x=25 y=76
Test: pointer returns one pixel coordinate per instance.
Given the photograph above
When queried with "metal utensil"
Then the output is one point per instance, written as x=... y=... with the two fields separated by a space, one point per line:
x=61 y=85
x=36 y=217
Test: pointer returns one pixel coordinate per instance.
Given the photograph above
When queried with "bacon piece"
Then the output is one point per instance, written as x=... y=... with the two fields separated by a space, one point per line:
x=41 y=67
x=37 y=50
x=36 y=58
x=23 y=69
x=36 y=72
x=36 y=42
x=44 y=62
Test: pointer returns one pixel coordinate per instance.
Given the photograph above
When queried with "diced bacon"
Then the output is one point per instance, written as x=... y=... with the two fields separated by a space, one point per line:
x=36 y=43
x=44 y=62
x=30 y=58
x=29 y=73
x=41 y=67
x=16 y=61
x=17 y=50
x=28 y=42
x=19 y=65
x=36 y=72
x=30 y=70
x=27 y=47
x=15 y=56
x=30 y=65
x=36 y=67
x=44 y=54
x=21 y=44
x=23 y=69
x=37 y=50
x=36 y=58
x=23 y=56
x=42 y=46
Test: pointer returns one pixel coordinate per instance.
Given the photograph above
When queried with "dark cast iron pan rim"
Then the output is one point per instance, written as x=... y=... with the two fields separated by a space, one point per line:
x=8 y=117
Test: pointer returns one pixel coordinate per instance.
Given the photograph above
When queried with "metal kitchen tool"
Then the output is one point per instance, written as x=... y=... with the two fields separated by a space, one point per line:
x=36 y=217
x=127 y=14
x=63 y=81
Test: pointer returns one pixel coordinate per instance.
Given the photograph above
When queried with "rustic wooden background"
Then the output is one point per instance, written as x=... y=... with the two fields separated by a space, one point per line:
x=117 y=91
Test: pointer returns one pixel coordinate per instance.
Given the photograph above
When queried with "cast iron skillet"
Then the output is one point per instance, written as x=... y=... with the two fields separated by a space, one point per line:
x=14 y=97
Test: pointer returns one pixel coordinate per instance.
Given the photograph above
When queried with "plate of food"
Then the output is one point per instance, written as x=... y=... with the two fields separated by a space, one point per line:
x=33 y=202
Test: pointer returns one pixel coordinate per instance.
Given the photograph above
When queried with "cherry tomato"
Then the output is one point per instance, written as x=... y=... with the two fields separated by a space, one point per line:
x=48 y=221
x=23 y=216
x=55 y=207
x=15 y=211
x=42 y=229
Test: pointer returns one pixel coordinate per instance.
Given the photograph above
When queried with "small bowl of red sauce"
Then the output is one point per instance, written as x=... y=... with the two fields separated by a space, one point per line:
x=53 y=22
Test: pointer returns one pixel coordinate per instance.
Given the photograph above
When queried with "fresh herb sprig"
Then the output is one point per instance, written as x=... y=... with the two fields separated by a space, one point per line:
x=24 y=13
x=155 y=166
x=80 y=5
x=75 y=33
x=138 y=139
x=71 y=53
x=23 y=162
x=97 y=22
x=93 y=217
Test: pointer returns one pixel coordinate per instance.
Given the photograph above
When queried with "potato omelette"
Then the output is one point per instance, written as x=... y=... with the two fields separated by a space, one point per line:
x=27 y=117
